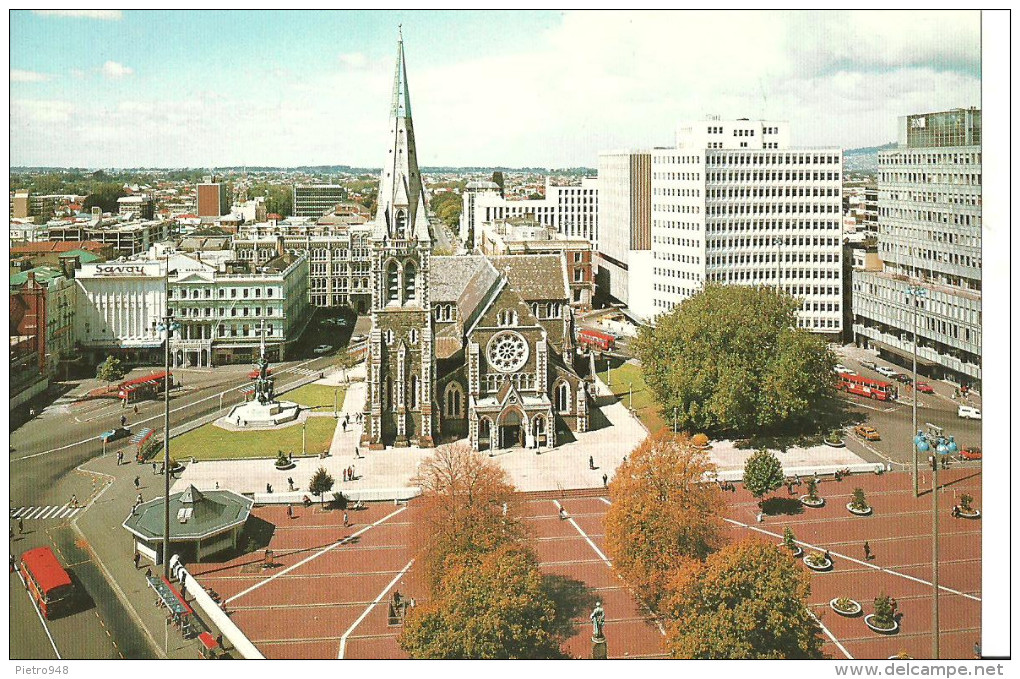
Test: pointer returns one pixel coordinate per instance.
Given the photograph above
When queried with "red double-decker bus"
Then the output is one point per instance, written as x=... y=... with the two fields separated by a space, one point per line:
x=46 y=580
x=594 y=339
x=147 y=386
x=864 y=386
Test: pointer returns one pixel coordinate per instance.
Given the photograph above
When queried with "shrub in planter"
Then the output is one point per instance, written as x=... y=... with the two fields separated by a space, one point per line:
x=812 y=490
x=816 y=560
x=884 y=616
x=281 y=458
x=846 y=606
x=834 y=437
x=700 y=440
x=965 y=501
x=789 y=540
x=858 y=502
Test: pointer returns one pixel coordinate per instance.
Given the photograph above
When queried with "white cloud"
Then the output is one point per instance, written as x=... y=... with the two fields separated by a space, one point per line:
x=354 y=60
x=19 y=76
x=101 y=14
x=114 y=70
x=78 y=73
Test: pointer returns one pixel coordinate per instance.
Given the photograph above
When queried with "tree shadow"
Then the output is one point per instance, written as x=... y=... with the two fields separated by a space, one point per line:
x=832 y=412
x=573 y=599
x=782 y=505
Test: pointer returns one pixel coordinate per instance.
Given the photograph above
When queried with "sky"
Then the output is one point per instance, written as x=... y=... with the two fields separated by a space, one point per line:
x=192 y=88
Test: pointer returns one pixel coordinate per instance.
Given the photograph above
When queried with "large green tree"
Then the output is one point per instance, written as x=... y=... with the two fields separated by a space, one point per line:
x=731 y=360
x=104 y=196
x=662 y=512
x=493 y=608
x=763 y=473
x=746 y=601
x=110 y=370
x=320 y=483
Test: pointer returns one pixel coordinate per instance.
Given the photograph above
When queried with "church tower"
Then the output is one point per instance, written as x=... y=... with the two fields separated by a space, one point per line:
x=401 y=352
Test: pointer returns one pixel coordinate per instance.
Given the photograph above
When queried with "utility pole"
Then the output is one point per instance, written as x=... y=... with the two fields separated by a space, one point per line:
x=913 y=293
x=168 y=325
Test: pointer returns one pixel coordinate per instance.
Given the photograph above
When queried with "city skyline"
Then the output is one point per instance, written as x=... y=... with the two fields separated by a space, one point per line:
x=515 y=88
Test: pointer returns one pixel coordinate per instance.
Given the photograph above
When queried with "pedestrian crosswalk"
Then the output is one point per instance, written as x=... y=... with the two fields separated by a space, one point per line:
x=44 y=512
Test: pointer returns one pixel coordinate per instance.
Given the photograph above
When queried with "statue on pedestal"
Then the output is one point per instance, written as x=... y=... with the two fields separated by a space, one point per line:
x=598 y=622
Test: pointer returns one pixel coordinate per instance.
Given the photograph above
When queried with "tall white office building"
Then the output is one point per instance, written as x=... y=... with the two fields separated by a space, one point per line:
x=734 y=203
x=571 y=210
x=929 y=239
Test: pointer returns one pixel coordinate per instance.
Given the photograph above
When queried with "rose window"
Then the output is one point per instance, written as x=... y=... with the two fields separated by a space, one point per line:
x=507 y=351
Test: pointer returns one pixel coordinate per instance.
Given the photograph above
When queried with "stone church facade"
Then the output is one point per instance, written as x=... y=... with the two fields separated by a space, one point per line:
x=463 y=346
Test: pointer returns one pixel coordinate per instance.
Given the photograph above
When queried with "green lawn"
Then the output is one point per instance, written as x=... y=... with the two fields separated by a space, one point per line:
x=316 y=396
x=623 y=377
x=209 y=442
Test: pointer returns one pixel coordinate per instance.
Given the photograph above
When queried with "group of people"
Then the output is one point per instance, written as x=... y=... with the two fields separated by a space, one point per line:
x=349 y=473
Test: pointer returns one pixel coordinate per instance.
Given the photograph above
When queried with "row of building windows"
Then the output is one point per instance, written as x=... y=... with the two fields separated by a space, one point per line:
x=206 y=293
x=933 y=197
x=790 y=257
x=782 y=208
x=771 y=176
x=791 y=241
x=786 y=274
x=773 y=192
x=930 y=216
x=930 y=158
x=771 y=159
x=951 y=179
x=221 y=312
x=785 y=225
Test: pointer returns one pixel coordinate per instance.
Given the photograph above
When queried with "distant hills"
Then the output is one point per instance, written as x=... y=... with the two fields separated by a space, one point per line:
x=864 y=159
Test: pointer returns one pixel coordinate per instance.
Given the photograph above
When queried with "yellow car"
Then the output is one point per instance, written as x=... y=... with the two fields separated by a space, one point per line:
x=867 y=433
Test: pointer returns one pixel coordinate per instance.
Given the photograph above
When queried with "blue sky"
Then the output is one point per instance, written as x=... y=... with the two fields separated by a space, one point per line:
x=194 y=88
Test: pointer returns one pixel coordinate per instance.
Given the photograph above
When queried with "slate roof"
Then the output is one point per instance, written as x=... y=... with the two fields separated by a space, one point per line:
x=535 y=277
x=213 y=511
x=450 y=275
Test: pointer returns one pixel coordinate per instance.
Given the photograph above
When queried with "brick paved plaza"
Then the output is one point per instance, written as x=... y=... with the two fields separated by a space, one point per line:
x=320 y=600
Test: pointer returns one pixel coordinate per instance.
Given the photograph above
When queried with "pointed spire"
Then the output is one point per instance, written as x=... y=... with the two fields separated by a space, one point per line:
x=401 y=107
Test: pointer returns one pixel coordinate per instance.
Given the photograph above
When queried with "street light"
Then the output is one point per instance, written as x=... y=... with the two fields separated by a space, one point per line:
x=168 y=324
x=915 y=292
x=630 y=392
x=674 y=419
x=939 y=445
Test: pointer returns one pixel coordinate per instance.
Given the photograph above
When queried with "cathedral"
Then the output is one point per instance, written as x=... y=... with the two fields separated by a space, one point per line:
x=463 y=346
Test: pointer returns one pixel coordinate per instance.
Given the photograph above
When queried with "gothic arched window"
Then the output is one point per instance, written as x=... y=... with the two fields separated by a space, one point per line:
x=401 y=224
x=392 y=283
x=454 y=400
x=410 y=282
x=563 y=397
x=413 y=398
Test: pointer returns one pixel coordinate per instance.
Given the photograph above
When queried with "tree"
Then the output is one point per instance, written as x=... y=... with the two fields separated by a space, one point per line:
x=763 y=473
x=663 y=512
x=731 y=360
x=345 y=361
x=463 y=495
x=487 y=609
x=746 y=601
x=110 y=370
x=104 y=196
x=320 y=483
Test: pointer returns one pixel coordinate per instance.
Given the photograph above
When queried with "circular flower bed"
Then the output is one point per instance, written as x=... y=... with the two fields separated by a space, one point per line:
x=859 y=512
x=846 y=606
x=970 y=513
x=817 y=562
x=808 y=502
x=796 y=550
x=869 y=620
x=834 y=441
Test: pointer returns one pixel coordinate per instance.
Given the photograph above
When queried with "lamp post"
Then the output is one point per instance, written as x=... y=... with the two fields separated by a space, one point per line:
x=674 y=419
x=609 y=372
x=303 y=424
x=630 y=393
x=168 y=324
x=938 y=445
x=914 y=292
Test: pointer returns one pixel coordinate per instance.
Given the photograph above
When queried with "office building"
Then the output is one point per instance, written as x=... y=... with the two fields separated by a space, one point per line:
x=734 y=203
x=138 y=206
x=212 y=199
x=316 y=200
x=625 y=224
x=472 y=191
x=929 y=240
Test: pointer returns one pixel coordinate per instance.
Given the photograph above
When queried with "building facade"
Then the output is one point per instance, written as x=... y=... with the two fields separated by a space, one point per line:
x=212 y=199
x=929 y=240
x=139 y=206
x=461 y=346
x=625 y=222
x=467 y=214
x=126 y=238
x=315 y=200
x=733 y=203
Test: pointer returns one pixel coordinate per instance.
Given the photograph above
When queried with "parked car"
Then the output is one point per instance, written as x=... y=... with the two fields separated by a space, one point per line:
x=904 y=379
x=255 y=373
x=971 y=453
x=843 y=370
x=925 y=388
x=867 y=433
x=885 y=370
x=323 y=348
x=115 y=434
x=871 y=365
x=968 y=413
x=357 y=338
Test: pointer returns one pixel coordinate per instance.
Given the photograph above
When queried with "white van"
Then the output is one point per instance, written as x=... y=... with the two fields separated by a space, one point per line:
x=968 y=413
x=884 y=370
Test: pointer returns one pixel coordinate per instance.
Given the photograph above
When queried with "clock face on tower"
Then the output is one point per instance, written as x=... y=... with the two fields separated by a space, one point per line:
x=507 y=351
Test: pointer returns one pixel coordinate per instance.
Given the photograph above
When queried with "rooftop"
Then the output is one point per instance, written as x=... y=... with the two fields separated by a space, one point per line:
x=212 y=512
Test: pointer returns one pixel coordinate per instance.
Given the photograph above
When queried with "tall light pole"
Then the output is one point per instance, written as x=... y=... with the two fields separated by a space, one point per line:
x=914 y=292
x=168 y=324
x=674 y=419
x=939 y=446
x=630 y=392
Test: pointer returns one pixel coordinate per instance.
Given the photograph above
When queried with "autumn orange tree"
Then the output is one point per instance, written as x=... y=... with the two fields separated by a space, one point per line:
x=463 y=495
x=662 y=513
x=746 y=601
x=492 y=608
x=486 y=593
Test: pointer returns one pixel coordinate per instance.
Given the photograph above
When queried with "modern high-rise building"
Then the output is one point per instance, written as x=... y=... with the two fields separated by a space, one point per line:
x=315 y=200
x=929 y=239
x=734 y=203
x=213 y=199
x=625 y=222
x=467 y=214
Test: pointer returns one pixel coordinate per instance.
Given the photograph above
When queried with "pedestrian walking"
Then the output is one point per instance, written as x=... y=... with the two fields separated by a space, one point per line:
x=269 y=488
x=867 y=551
x=217 y=485
x=123 y=420
x=138 y=500
x=829 y=558
x=120 y=457
x=347 y=521
x=21 y=526
x=12 y=563
x=153 y=468
x=138 y=482
x=137 y=558
x=344 y=425
x=290 y=512
x=74 y=500
x=290 y=482
x=357 y=454
x=351 y=472
x=563 y=513
x=605 y=480
x=591 y=462
x=136 y=409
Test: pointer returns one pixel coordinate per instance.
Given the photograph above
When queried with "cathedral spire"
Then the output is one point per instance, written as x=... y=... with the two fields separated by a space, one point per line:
x=401 y=212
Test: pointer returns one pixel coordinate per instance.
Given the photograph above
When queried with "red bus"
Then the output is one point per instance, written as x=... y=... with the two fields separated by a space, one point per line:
x=147 y=386
x=46 y=580
x=864 y=386
x=593 y=339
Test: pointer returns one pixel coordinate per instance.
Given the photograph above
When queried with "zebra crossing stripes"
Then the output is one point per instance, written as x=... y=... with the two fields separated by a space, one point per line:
x=44 y=512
